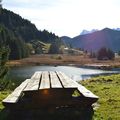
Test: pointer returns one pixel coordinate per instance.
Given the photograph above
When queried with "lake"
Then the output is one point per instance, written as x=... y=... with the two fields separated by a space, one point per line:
x=76 y=73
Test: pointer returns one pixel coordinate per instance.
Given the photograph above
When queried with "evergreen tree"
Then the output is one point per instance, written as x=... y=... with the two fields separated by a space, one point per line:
x=29 y=48
x=4 y=52
x=0 y=4
x=55 y=47
x=105 y=53
x=111 y=54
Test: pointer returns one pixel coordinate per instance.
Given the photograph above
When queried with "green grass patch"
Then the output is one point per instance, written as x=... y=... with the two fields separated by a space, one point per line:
x=12 y=84
x=3 y=112
x=3 y=95
x=7 y=88
x=108 y=90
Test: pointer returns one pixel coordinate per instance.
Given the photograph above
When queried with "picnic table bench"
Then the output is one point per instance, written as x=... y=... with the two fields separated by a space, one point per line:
x=49 y=88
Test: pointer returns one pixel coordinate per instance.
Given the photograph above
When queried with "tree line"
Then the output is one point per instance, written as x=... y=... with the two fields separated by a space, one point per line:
x=103 y=54
x=4 y=53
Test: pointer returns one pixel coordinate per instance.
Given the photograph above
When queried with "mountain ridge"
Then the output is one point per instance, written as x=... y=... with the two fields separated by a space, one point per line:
x=23 y=27
x=84 y=32
x=106 y=37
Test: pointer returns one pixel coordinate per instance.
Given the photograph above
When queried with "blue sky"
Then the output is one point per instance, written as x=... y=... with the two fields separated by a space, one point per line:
x=68 y=17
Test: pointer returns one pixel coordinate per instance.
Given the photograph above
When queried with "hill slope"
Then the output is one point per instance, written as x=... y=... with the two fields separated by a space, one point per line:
x=66 y=40
x=92 y=42
x=24 y=28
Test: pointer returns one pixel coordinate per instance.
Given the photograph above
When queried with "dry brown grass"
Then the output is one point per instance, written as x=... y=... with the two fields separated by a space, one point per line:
x=63 y=60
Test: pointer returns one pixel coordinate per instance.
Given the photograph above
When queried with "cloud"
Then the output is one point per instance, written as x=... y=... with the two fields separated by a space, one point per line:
x=31 y=3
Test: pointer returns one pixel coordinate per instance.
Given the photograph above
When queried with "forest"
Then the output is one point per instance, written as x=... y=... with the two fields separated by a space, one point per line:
x=18 y=35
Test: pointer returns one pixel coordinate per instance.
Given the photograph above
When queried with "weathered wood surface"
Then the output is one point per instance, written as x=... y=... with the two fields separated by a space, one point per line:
x=66 y=81
x=34 y=82
x=45 y=82
x=55 y=82
x=15 y=95
x=48 y=80
x=69 y=83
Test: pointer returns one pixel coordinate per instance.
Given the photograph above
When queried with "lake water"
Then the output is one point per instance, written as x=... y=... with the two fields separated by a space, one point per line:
x=75 y=73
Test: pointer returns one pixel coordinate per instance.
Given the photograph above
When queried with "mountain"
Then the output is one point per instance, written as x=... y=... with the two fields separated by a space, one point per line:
x=66 y=40
x=18 y=32
x=94 y=41
x=84 y=32
x=118 y=29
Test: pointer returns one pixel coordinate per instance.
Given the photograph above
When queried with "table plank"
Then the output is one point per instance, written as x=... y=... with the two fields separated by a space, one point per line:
x=69 y=83
x=66 y=81
x=85 y=92
x=55 y=83
x=15 y=95
x=36 y=75
x=34 y=82
x=45 y=82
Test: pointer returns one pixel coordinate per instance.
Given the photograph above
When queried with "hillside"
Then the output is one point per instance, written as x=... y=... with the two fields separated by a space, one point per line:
x=94 y=41
x=17 y=47
x=66 y=40
x=18 y=32
x=24 y=28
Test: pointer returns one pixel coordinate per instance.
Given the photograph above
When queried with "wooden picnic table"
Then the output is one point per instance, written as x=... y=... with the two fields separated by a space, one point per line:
x=49 y=88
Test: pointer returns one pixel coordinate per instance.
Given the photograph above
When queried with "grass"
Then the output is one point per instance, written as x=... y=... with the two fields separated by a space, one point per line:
x=12 y=84
x=3 y=112
x=3 y=94
x=108 y=90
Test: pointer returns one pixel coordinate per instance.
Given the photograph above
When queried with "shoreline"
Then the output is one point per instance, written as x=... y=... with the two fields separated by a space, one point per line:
x=66 y=60
x=102 y=67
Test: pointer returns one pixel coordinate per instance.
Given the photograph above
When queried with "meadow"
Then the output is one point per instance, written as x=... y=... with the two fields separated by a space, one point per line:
x=108 y=90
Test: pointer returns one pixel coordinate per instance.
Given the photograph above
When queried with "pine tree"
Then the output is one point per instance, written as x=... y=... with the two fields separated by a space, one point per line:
x=0 y=4
x=3 y=50
x=54 y=48
x=4 y=53
x=105 y=53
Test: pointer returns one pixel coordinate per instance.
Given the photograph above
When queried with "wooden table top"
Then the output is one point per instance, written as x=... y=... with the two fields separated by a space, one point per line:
x=48 y=80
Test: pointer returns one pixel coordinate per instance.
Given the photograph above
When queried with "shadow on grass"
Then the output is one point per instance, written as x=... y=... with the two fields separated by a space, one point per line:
x=57 y=114
x=4 y=114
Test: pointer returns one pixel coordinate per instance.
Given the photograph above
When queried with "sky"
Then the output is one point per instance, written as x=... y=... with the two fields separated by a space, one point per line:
x=68 y=17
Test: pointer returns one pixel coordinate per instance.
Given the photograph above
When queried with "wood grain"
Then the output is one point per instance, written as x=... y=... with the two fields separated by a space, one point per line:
x=45 y=82
x=55 y=82
x=15 y=95
x=34 y=82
